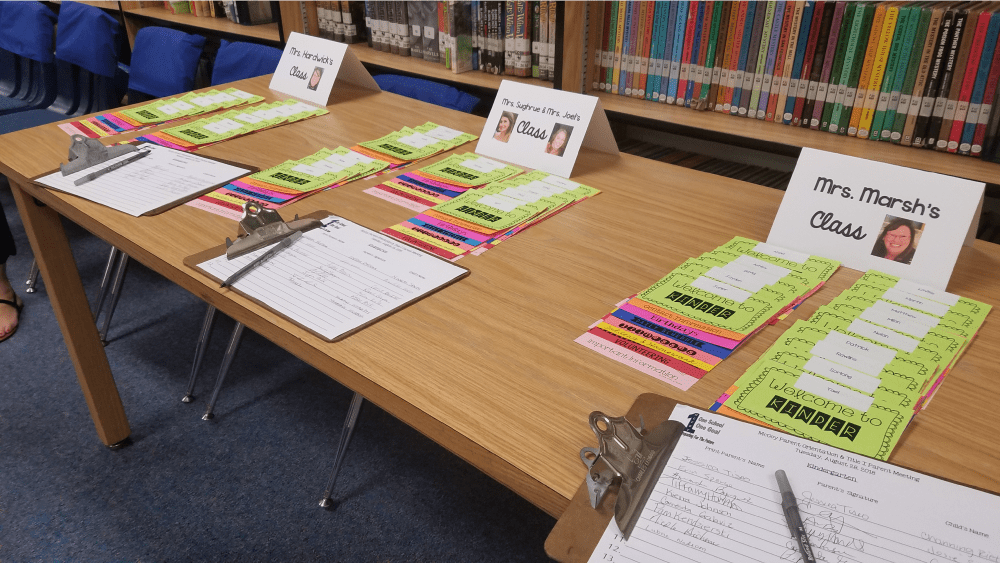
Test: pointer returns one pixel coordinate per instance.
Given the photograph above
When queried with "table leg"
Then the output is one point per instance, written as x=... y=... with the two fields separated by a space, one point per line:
x=69 y=302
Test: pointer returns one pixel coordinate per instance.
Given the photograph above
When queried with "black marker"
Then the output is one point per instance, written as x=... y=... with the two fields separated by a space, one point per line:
x=791 y=510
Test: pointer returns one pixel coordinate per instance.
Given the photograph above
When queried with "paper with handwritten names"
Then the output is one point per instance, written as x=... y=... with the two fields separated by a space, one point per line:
x=717 y=501
x=338 y=278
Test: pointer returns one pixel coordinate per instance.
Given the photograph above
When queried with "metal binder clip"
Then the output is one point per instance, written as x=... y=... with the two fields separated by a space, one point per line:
x=264 y=227
x=628 y=457
x=84 y=153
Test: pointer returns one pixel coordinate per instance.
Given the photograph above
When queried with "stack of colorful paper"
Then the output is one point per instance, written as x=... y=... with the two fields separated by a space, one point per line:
x=856 y=373
x=407 y=145
x=290 y=181
x=683 y=325
x=479 y=219
x=159 y=111
x=223 y=127
x=445 y=179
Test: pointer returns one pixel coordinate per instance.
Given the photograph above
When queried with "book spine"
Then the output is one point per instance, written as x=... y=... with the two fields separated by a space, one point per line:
x=632 y=36
x=536 y=39
x=788 y=70
x=706 y=54
x=611 y=52
x=778 y=39
x=982 y=79
x=991 y=140
x=677 y=52
x=811 y=72
x=923 y=74
x=402 y=25
x=687 y=54
x=933 y=79
x=908 y=41
x=522 y=41
x=656 y=52
x=696 y=73
x=741 y=61
x=722 y=39
x=909 y=81
x=551 y=51
x=900 y=41
x=814 y=105
x=738 y=14
x=850 y=57
x=951 y=128
x=667 y=37
x=621 y=18
x=802 y=45
x=815 y=29
x=854 y=79
x=647 y=32
x=602 y=49
x=753 y=50
x=864 y=79
x=878 y=72
x=757 y=82
x=947 y=75
x=837 y=70
x=955 y=83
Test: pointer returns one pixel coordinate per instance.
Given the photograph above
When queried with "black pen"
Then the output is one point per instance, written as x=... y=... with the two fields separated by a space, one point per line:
x=97 y=174
x=285 y=243
x=792 y=517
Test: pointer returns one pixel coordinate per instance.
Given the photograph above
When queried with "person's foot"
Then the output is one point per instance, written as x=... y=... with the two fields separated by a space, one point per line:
x=8 y=313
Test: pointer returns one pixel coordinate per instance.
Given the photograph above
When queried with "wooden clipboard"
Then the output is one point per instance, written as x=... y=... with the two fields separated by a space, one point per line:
x=580 y=527
x=195 y=259
x=172 y=204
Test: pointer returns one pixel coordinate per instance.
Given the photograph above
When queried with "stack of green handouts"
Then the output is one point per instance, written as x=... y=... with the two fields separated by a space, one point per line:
x=856 y=373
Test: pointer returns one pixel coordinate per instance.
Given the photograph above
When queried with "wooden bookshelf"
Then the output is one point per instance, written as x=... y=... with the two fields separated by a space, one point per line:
x=138 y=17
x=436 y=70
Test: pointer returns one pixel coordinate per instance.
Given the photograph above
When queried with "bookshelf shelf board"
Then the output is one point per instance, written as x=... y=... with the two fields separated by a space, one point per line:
x=266 y=32
x=920 y=159
x=436 y=70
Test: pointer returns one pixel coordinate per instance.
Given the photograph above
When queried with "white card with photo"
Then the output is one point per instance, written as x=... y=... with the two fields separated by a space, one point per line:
x=310 y=67
x=544 y=129
x=872 y=215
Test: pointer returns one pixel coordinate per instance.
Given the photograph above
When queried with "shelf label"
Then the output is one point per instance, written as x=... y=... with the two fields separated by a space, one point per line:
x=544 y=129
x=310 y=67
x=877 y=216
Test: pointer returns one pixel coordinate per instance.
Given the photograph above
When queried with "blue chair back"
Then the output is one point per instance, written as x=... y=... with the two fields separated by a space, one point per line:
x=26 y=37
x=164 y=63
x=87 y=46
x=427 y=91
x=237 y=60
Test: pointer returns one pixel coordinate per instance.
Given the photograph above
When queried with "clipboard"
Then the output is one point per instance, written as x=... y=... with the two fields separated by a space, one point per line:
x=170 y=205
x=194 y=260
x=580 y=527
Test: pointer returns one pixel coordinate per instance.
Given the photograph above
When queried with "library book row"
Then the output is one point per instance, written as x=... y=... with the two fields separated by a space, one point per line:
x=504 y=38
x=243 y=13
x=919 y=74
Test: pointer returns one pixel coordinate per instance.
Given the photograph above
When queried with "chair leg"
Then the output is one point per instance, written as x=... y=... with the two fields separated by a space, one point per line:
x=234 y=343
x=32 y=277
x=116 y=287
x=345 y=439
x=199 y=352
x=109 y=268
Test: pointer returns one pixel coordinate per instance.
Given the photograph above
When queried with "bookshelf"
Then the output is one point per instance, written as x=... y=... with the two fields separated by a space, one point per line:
x=752 y=131
x=142 y=14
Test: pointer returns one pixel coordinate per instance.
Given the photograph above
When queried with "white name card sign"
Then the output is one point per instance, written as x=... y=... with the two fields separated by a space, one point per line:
x=872 y=215
x=310 y=67
x=544 y=129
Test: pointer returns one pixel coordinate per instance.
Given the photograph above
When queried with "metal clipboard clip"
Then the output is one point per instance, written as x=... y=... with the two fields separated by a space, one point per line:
x=630 y=458
x=85 y=153
x=264 y=227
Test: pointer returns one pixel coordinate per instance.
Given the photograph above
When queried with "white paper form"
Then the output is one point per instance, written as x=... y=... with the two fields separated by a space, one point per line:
x=718 y=501
x=338 y=278
x=164 y=177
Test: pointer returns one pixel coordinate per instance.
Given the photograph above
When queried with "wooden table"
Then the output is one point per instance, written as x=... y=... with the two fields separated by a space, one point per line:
x=487 y=367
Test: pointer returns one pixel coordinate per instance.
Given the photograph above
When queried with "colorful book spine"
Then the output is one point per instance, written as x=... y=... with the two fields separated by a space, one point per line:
x=631 y=42
x=720 y=55
x=793 y=57
x=909 y=83
x=878 y=72
x=978 y=90
x=611 y=53
x=696 y=73
x=807 y=97
x=762 y=57
x=851 y=58
x=752 y=55
x=944 y=89
x=857 y=68
x=737 y=24
x=833 y=45
x=778 y=29
x=642 y=49
x=910 y=39
x=655 y=52
x=927 y=59
x=807 y=62
x=687 y=53
x=951 y=132
x=934 y=78
x=622 y=63
x=741 y=63
x=781 y=56
x=899 y=39
x=979 y=136
x=677 y=52
x=955 y=81
x=874 y=37
x=703 y=76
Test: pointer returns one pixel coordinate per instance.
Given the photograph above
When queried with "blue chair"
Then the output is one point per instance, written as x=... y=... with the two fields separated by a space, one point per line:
x=26 y=40
x=164 y=63
x=428 y=91
x=237 y=60
x=88 y=42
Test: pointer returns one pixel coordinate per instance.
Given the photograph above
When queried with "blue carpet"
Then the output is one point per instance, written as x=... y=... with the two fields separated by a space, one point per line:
x=242 y=487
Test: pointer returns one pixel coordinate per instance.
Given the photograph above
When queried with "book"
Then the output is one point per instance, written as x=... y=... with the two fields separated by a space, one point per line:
x=741 y=61
x=703 y=73
x=983 y=75
x=778 y=41
x=677 y=52
x=850 y=67
x=987 y=108
x=864 y=79
x=741 y=102
x=802 y=45
x=835 y=45
x=815 y=28
x=965 y=77
x=716 y=53
x=735 y=23
x=878 y=72
x=788 y=70
x=807 y=97
x=933 y=80
x=902 y=40
x=923 y=74
x=906 y=75
x=956 y=45
x=757 y=82
x=536 y=38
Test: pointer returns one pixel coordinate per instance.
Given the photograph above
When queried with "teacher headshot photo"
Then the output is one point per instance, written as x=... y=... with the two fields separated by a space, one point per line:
x=558 y=139
x=898 y=239
x=317 y=74
x=504 y=126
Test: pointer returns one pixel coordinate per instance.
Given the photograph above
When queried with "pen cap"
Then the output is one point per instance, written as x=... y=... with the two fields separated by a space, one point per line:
x=787 y=496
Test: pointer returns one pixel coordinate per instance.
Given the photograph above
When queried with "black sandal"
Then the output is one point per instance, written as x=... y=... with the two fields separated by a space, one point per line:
x=17 y=304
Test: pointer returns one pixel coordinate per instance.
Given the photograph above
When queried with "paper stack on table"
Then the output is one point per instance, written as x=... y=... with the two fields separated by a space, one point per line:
x=476 y=220
x=235 y=123
x=158 y=112
x=407 y=145
x=290 y=181
x=683 y=325
x=855 y=373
